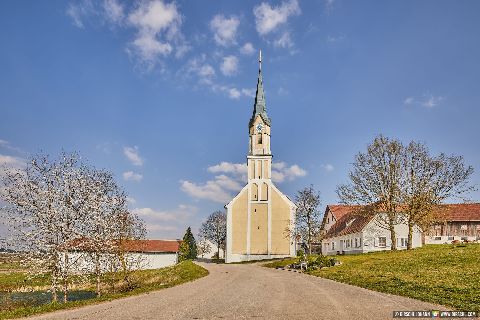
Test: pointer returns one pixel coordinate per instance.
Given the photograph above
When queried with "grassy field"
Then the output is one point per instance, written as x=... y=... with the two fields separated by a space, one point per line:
x=443 y=274
x=143 y=280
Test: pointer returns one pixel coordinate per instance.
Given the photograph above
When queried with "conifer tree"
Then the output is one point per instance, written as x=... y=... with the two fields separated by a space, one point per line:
x=191 y=245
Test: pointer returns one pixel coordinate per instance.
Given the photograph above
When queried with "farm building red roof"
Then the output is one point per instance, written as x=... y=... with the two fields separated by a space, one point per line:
x=458 y=212
x=84 y=244
x=152 y=245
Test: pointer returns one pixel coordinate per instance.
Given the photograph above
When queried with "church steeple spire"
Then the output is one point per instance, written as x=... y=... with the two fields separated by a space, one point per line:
x=260 y=107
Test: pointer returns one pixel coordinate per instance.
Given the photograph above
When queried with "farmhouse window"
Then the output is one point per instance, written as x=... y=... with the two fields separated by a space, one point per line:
x=382 y=242
x=333 y=245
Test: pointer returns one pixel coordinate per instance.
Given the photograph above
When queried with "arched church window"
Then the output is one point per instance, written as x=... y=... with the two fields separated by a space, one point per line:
x=259 y=138
x=264 y=192
x=254 y=191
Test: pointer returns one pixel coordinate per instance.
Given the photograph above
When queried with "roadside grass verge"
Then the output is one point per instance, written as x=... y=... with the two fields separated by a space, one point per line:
x=281 y=263
x=442 y=274
x=143 y=280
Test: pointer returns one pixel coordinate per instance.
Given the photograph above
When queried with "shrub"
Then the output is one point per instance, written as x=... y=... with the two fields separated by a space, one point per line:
x=301 y=254
x=318 y=262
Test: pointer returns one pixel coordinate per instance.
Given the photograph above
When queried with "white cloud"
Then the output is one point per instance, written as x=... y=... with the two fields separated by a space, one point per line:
x=114 y=11
x=249 y=92
x=132 y=176
x=282 y=91
x=233 y=176
x=217 y=190
x=268 y=18
x=427 y=100
x=77 y=11
x=152 y=227
x=329 y=4
x=7 y=145
x=408 y=100
x=247 y=49
x=224 y=29
x=10 y=163
x=281 y=172
x=238 y=169
x=131 y=200
x=335 y=39
x=285 y=41
x=199 y=67
x=229 y=65
x=133 y=155
x=166 y=224
x=232 y=92
x=206 y=71
x=431 y=101
x=182 y=213
x=156 y=24
x=158 y=30
x=328 y=167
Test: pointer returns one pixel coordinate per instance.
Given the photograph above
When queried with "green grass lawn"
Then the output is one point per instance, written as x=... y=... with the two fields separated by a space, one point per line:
x=144 y=280
x=441 y=274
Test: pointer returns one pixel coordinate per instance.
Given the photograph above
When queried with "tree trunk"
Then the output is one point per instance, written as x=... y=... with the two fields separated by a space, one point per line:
x=309 y=243
x=393 y=238
x=309 y=239
x=65 y=277
x=410 y=235
x=218 y=250
x=54 y=286
x=97 y=272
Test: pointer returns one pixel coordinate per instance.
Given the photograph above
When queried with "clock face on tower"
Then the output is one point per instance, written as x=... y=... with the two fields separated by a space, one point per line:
x=259 y=127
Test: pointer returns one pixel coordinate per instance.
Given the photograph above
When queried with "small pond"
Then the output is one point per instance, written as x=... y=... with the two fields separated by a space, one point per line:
x=37 y=298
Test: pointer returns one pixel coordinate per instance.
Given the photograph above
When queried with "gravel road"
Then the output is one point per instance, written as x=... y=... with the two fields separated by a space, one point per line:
x=245 y=291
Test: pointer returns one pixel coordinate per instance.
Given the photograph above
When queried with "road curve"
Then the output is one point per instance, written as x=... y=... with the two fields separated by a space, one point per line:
x=246 y=291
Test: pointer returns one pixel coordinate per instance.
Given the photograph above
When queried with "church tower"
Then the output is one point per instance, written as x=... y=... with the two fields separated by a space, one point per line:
x=260 y=216
x=259 y=157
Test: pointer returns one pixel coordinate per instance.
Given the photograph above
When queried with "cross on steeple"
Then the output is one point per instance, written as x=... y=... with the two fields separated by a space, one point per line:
x=260 y=60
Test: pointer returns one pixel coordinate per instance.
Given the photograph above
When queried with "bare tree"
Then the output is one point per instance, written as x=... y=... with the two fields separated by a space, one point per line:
x=43 y=215
x=109 y=225
x=203 y=245
x=375 y=183
x=428 y=181
x=215 y=229
x=307 y=215
x=57 y=206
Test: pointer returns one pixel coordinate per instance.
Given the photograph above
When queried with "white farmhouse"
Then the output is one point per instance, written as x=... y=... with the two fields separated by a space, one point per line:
x=345 y=231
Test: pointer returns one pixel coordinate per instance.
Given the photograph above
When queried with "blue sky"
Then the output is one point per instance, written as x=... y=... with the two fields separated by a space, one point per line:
x=160 y=92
